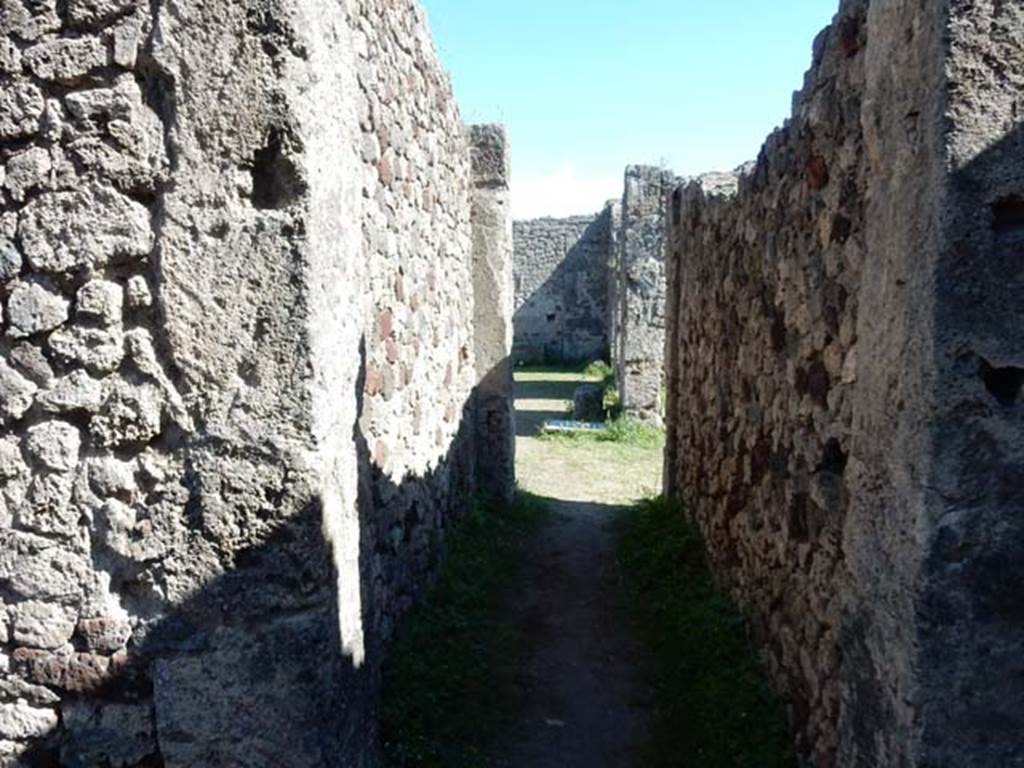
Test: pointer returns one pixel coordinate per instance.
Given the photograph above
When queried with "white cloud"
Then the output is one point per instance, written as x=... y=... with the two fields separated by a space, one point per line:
x=562 y=193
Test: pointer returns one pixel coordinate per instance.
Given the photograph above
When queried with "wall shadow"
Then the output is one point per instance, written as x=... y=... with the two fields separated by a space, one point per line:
x=545 y=390
x=551 y=325
x=963 y=534
x=242 y=673
x=529 y=423
x=251 y=670
x=969 y=609
x=533 y=404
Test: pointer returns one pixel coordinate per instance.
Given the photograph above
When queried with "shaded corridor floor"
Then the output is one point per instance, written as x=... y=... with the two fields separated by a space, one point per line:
x=587 y=693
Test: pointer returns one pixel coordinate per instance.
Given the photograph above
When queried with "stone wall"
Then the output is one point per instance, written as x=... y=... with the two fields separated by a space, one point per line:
x=493 y=290
x=237 y=371
x=562 y=288
x=638 y=355
x=614 y=255
x=844 y=387
x=593 y=287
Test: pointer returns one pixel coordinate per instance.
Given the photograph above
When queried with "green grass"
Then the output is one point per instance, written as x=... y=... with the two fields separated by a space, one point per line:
x=599 y=370
x=623 y=430
x=593 y=371
x=634 y=432
x=450 y=671
x=715 y=707
x=563 y=378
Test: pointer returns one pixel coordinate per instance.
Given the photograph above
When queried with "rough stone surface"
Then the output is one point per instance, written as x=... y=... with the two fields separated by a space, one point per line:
x=561 y=289
x=843 y=387
x=100 y=300
x=34 y=308
x=493 y=288
x=110 y=734
x=593 y=287
x=638 y=357
x=10 y=260
x=21 y=108
x=19 y=720
x=77 y=391
x=90 y=226
x=588 y=402
x=105 y=634
x=27 y=171
x=243 y=247
x=30 y=361
x=67 y=60
x=18 y=393
x=614 y=278
x=55 y=445
x=42 y=625
x=137 y=293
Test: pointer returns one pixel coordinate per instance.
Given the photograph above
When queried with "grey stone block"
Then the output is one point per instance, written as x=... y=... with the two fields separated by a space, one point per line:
x=588 y=402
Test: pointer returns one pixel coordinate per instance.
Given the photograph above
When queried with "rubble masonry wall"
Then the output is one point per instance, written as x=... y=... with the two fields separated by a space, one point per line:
x=844 y=387
x=238 y=371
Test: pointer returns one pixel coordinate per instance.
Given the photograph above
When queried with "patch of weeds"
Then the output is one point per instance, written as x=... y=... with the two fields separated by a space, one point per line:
x=599 y=370
x=571 y=370
x=450 y=671
x=633 y=432
x=715 y=706
x=612 y=406
x=623 y=431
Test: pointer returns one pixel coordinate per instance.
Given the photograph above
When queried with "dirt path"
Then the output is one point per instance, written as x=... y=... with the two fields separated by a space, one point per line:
x=587 y=695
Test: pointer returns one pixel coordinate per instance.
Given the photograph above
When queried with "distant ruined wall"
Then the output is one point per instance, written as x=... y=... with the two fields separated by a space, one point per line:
x=237 y=371
x=844 y=387
x=639 y=264
x=593 y=287
x=562 y=288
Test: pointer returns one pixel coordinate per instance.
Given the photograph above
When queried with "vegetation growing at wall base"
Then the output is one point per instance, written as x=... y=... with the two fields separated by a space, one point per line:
x=623 y=430
x=449 y=674
x=714 y=705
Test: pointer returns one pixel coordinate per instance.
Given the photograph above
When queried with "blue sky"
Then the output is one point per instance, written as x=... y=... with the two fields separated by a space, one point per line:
x=587 y=87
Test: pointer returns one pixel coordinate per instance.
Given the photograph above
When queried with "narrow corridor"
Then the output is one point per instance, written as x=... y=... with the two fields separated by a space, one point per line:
x=588 y=699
